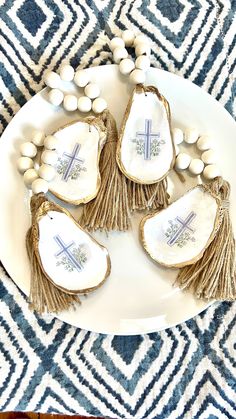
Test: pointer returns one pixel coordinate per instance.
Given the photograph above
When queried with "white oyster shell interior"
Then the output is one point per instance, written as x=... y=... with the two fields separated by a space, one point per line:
x=77 y=166
x=69 y=256
x=178 y=234
x=146 y=150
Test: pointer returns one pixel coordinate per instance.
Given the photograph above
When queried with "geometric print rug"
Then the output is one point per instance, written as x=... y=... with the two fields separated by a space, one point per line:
x=187 y=371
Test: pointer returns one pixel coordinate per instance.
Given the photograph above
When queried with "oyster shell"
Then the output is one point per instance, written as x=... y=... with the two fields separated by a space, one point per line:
x=77 y=177
x=145 y=152
x=178 y=235
x=70 y=258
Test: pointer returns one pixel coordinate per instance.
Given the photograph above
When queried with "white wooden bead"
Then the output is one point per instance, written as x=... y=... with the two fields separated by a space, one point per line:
x=55 y=97
x=38 y=138
x=49 y=157
x=137 y=76
x=81 y=78
x=29 y=176
x=39 y=185
x=182 y=161
x=209 y=157
x=178 y=135
x=196 y=166
x=142 y=49
x=47 y=172
x=28 y=149
x=50 y=142
x=92 y=90
x=126 y=66
x=140 y=39
x=67 y=72
x=116 y=43
x=99 y=105
x=52 y=79
x=204 y=143
x=70 y=103
x=142 y=62
x=24 y=163
x=128 y=37
x=191 y=135
x=119 y=54
x=84 y=104
x=211 y=171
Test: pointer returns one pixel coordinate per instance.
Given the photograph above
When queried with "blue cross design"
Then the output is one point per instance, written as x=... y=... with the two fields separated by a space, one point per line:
x=184 y=225
x=72 y=159
x=66 y=249
x=147 y=137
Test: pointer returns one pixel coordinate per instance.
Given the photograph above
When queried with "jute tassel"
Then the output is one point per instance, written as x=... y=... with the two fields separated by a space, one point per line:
x=44 y=295
x=214 y=275
x=151 y=197
x=110 y=209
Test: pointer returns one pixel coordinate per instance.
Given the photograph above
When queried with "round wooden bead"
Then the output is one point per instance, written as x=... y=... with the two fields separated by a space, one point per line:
x=196 y=166
x=128 y=37
x=67 y=72
x=191 y=136
x=55 y=97
x=84 y=104
x=70 y=103
x=39 y=185
x=119 y=54
x=49 y=157
x=28 y=149
x=137 y=76
x=29 y=176
x=182 y=161
x=126 y=66
x=92 y=90
x=178 y=135
x=142 y=62
x=50 y=142
x=47 y=172
x=116 y=43
x=24 y=163
x=142 y=49
x=52 y=79
x=209 y=157
x=204 y=143
x=81 y=78
x=140 y=39
x=38 y=138
x=211 y=171
x=99 y=105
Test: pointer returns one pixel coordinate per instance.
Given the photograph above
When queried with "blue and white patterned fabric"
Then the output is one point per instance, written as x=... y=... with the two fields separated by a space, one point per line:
x=45 y=365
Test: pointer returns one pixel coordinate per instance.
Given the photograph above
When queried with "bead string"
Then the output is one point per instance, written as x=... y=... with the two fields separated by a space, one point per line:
x=136 y=71
x=37 y=176
x=204 y=165
x=89 y=101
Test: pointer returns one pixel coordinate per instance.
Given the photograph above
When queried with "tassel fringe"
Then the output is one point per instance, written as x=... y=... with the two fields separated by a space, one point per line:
x=110 y=209
x=214 y=275
x=150 y=197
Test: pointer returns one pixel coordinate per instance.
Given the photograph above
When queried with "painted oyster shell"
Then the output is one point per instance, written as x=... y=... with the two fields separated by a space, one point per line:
x=77 y=177
x=145 y=152
x=70 y=257
x=178 y=235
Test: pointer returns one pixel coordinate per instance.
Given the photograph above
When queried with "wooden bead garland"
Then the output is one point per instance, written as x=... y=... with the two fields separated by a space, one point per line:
x=70 y=102
x=37 y=178
x=137 y=70
x=205 y=164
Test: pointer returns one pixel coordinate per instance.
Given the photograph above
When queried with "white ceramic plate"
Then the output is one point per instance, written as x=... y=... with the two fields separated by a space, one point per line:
x=138 y=297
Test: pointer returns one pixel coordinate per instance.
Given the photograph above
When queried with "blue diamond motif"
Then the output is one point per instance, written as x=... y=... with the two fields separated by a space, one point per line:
x=31 y=16
x=126 y=347
x=171 y=9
